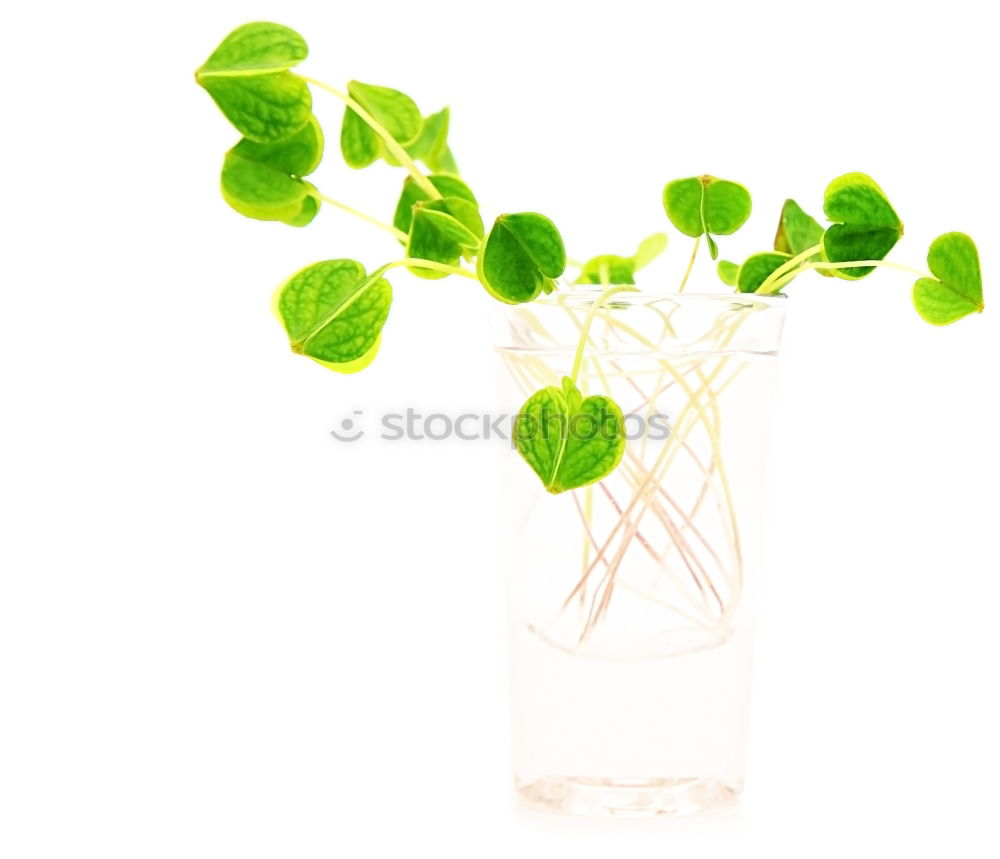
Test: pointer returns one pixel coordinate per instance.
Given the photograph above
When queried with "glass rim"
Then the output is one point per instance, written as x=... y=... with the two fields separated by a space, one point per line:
x=583 y=295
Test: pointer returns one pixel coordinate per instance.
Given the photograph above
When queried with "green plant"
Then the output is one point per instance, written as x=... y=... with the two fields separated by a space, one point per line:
x=333 y=311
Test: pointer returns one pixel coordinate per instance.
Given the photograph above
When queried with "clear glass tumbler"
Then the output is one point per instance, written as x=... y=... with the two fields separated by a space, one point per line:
x=631 y=601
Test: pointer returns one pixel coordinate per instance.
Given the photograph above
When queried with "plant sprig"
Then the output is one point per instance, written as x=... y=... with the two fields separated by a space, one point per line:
x=334 y=311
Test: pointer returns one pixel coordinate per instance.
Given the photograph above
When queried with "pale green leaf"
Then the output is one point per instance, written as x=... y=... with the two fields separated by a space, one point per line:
x=957 y=287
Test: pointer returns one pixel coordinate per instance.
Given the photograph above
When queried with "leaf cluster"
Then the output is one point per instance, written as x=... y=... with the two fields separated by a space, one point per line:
x=334 y=311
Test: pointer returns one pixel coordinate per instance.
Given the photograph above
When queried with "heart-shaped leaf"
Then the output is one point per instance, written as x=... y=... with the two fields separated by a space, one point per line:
x=396 y=112
x=522 y=252
x=958 y=288
x=569 y=440
x=247 y=76
x=756 y=269
x=866 y=226
x=263 y=180
x=704 y=205
x=333 y=313
x=611 y=268
x=447 y=186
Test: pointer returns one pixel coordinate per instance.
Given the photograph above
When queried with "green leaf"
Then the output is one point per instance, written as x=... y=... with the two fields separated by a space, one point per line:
x=713 y=248
x=359 y=145
x=728 y=272
x=450 y=187
x=433 y=135
x=756 y=269
x=797 y=232
x=568 y=440
x=431 y=146
x=436 y=234
x=649 y=249
x=521 y=251
x=704 y=205
x=333 y=313
x=866 y=226
x=259 y=46
x=247 y=76
x=263 y=180
x=608 y=269
x=957 y=290
x=308 y=210
x=611 y=268
x=442 y=161
x=396 y=112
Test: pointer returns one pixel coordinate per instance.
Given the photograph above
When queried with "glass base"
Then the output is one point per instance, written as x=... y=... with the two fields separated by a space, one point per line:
x=626 y=797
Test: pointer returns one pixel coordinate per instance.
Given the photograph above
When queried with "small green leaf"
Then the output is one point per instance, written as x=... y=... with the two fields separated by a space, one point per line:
x=611 y=268
x=649 y=249
x=433 y=136
x=705 y=205
x=713 y=248
x=797 y=232
x=728 y=272
x=866 y=226
x=568 y=440
x=437 y=235
x=333 y=313
x=396 y=112
x=608 y=269
x=521 y=251
x=431 y=146
x=247 y=76
x=437 y=212
x=958 y=288
x=412 y=194
x=756 y=269
x=442 y=161
x=263 y=180
x=359 y=145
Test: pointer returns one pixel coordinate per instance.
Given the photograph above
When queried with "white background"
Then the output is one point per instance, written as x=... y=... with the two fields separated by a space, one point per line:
x=224 y=634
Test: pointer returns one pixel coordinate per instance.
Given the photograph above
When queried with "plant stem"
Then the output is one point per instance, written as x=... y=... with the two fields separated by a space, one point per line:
x=875 y=263
x=397 y=151
x=416 y=262
x=399 y=234
x=687 y=274
x=767 y=287
x=865 y=263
